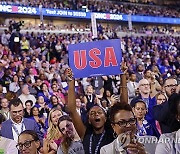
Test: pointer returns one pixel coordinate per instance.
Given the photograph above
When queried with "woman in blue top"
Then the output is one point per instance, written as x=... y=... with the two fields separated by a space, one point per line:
x=144 y=127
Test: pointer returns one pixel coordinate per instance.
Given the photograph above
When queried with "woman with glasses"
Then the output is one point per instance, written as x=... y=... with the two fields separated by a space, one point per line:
x=124 y=126
x=28 y=142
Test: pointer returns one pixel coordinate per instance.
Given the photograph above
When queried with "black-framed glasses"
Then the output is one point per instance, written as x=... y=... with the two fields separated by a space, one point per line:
x=27 y=144
x=124 y=123
x=145 y=84
x=171 y=85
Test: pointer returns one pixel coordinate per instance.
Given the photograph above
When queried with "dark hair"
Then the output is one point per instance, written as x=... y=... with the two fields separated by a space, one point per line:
x=29 y=101
x=41 y=86
x=62 y=118
x=53 y=96
x=174 y=101
x=135 y=101
x=118 y=107
x=145 y=71
x=15 y=102
x=66 y=141
x=131 y=73
x=171 y=77
x=31 y=112
x=32 y=133
x=2 y=118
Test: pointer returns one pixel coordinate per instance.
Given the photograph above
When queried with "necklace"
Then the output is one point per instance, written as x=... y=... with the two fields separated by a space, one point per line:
x=97 y=146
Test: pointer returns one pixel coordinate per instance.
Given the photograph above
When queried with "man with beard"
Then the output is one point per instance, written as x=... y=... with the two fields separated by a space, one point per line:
x=162 y=112
x=16 y=124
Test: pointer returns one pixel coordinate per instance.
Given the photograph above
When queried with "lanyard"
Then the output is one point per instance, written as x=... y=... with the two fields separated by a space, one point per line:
x=97 y=147
x=16 y=130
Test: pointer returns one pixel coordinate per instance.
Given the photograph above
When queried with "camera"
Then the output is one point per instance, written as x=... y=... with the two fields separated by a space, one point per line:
x=17 y=25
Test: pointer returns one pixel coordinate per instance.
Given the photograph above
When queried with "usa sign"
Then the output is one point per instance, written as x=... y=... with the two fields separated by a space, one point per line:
x=95 y=58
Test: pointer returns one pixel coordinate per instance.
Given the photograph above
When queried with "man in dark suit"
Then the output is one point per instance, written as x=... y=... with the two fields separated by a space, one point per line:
x=162 y=112
x=16 y=124
x=81 y=110
x=139 y=73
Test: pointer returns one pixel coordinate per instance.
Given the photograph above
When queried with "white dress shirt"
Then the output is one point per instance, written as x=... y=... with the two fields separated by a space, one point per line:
x=18 y=127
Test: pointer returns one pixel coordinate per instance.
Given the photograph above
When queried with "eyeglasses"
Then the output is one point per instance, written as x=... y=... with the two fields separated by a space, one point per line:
x=27 y=144
x=145 y=84
x=171 y=85
x=124 y=123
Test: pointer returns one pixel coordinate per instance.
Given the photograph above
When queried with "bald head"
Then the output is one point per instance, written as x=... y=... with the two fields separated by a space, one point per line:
x=144 y=87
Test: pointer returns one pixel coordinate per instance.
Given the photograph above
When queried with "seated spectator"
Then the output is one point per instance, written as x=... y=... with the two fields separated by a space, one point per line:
x=7 y=146
x=57 y=92
x=27 y=109
x=26 y=95
x=42 y=106
x=28 y=142
x=14 y=86
x=40 y=120
x=53 y=101
x=4 y=108
x=45 y=93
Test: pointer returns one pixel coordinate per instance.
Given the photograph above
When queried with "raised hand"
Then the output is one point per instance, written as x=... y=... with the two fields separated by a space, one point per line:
x=69 y=74
x=124 y=67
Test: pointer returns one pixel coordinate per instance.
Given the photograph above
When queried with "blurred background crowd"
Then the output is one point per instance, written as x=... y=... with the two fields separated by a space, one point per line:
x=34 y=62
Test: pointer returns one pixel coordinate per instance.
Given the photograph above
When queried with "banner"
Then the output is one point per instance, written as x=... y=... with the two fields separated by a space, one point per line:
x=95 y=58
x=85 y=15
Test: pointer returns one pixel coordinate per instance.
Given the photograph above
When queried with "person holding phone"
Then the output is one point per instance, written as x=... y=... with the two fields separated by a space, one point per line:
x=123 y=123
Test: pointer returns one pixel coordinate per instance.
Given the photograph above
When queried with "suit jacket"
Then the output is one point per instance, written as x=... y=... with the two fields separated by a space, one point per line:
x=138 y=77
x=6 y=130
x=131 y=89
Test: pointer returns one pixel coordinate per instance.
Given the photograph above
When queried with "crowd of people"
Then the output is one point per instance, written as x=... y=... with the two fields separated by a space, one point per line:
x=43 y=108
x=102 y=6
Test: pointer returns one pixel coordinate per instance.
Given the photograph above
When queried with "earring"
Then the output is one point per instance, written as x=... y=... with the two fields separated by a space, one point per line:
x=114 y=135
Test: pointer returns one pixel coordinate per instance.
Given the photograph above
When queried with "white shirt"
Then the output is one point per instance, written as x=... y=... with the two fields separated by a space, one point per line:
x=18 y=127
